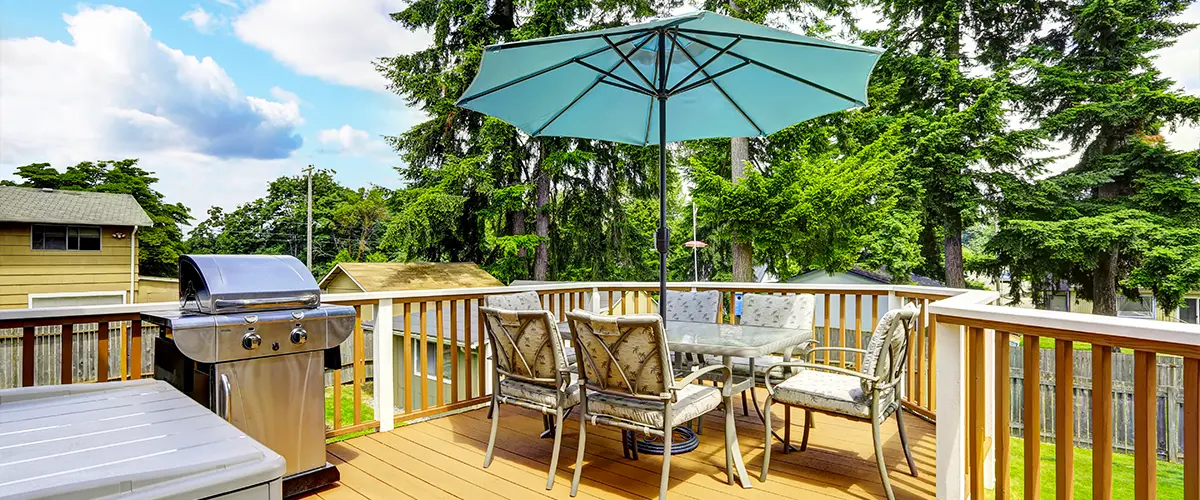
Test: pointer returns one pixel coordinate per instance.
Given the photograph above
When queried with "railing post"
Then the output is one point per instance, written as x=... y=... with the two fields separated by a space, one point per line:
x=594 y=300
x=952 y=411
x=385 y=409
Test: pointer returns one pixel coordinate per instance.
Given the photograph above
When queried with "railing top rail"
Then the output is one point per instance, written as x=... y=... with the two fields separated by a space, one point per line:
x=10 y=315
x=1127 y=332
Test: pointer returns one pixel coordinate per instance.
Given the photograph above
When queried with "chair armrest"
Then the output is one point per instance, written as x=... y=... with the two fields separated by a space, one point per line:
x=805 y=364
x=814 y=350
x=696 y=374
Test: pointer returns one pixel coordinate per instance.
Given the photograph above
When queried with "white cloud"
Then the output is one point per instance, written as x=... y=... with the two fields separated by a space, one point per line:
x=112 y=91
x=333 y=41
x=349 y=140
x=203 y=21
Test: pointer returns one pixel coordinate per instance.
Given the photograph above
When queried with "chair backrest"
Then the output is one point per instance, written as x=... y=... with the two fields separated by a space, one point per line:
x=520 y=301
x=526 y=344
x=780 y=311
x=623 y=355
x=698 y=307
x=887 y=352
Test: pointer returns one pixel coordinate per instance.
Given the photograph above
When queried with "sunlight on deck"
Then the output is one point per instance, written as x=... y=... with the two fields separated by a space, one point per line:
x=442 y=458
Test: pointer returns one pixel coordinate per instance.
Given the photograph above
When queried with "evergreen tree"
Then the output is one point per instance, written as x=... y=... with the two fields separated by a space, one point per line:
x=1123 y=216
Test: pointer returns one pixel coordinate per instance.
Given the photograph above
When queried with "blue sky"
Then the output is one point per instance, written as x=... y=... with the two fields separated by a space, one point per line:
x=217 y=97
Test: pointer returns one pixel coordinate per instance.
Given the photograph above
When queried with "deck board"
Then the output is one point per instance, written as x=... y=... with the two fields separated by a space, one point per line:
x=443 y=458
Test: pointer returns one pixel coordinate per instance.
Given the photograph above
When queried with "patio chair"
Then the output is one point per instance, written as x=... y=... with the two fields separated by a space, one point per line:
x=530 y=371
x=626 y=382
x=786 y=311
x=697 y=307
x=520 y=301
x=871 y=394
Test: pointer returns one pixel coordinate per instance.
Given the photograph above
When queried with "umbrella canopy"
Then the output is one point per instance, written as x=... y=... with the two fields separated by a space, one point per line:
x=714 y=76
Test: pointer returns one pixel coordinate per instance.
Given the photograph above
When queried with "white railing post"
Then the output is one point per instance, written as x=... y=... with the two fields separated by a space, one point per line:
x=385 y=409
x=951 y=412
x=595 y=300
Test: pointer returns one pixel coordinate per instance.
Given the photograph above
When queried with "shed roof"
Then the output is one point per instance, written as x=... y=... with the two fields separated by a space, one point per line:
x=55 y=206
x=395 y=276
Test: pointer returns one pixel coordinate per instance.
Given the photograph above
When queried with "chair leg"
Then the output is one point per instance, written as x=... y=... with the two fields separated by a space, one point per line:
x=558 y=420
x=912 y=465
x=579 y=454
x=808 y=418
x=787 y=427
x=883 y=475
x=745 y=405
x=766 y=464
x=487 y=459
x=668 y=444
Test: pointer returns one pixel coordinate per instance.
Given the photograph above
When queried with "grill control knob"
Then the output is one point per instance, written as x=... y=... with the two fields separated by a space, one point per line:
x=299 y=335
x=251 y=341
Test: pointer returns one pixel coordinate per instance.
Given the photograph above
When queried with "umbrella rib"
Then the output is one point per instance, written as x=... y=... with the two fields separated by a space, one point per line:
x=609 y=74
x=599 y=79
x=629 y=63
x=463 y=100
x=773 y=69
x=675 y=40
x=710 y=79
x=702 y=66
x=848 y=48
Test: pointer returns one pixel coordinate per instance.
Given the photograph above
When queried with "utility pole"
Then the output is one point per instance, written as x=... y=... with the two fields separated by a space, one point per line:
x=308 y=226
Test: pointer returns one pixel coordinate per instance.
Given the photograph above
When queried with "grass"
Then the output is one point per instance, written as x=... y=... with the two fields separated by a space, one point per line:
x=368 y=413
x=1170 y=475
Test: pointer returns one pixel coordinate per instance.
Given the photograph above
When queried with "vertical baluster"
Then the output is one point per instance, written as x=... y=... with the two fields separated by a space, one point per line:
x=826 y=330
x=439 y=396
x=360 y=363
x=337 y=397
x=624 y=295
x=610 y=302
x=932 y=375
x=468 y=368
x=1102 y=422
x=842 y=328
x=911 y=380
x=572 y=303
x=875 y=311
x=562 y=307
x=1003 y=405
x=976 y=421
x=858 y=331
x=637 y=302
x=923 y=371
x=135 y=349
x=1064 y=419
x=102 y=352
x=27 y=356
x=68 y=342
x=423 y=343
x=1032 y=401
x=483 y=388
x=1145 y=418
x=454 y=351
x=407 y=350
x=1191 y=428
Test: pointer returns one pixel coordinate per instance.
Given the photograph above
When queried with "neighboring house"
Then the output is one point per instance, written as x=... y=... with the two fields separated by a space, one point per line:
x=66 y=248
x=153 y=289
x=357 y=277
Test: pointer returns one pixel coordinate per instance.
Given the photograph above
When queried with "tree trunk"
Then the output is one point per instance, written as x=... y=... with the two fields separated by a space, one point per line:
x=516 y=227
x=1104 y=278
x=541 y=256
x=952 y=243
x=743 y=253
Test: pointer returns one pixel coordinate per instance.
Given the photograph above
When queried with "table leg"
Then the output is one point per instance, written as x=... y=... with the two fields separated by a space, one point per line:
x=739 y=465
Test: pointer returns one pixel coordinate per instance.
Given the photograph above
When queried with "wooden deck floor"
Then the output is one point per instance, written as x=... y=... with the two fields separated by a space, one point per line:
x=443 y=458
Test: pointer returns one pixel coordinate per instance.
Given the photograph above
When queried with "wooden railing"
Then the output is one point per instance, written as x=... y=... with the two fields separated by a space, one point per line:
x=973 y=345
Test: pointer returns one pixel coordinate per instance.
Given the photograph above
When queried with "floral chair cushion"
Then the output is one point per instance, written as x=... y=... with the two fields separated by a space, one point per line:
x=538 y=394
x=693 y=400
x=623 y=353
x=786 y=311
x=697 y=307
x=890 y=319
x=527 y=343
x=521 y=301
x=831 y=392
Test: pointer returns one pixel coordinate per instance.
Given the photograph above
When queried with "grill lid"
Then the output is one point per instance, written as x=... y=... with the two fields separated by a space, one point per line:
x=225 y=284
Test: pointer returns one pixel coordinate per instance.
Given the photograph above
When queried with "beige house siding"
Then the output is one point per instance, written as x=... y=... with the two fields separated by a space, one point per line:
x=341 y=283
x=150 y=289
x=24 y=271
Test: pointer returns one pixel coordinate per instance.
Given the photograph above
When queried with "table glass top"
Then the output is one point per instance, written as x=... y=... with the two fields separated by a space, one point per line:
x=727 y=339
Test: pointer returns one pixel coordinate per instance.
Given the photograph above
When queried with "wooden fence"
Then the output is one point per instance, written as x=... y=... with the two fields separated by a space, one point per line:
x=1170 y=401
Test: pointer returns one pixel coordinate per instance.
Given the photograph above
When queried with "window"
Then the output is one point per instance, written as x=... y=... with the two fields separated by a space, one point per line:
x=1189 y=312
x=47 y=237
x=1059 y=301
x=1142 y=308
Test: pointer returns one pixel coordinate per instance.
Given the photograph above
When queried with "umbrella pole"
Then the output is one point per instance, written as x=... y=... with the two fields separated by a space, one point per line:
x=664 y=238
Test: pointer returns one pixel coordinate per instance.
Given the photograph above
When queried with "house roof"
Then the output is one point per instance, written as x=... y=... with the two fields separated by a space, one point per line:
x=55 y=206
x=394 y=276
x=883 y=276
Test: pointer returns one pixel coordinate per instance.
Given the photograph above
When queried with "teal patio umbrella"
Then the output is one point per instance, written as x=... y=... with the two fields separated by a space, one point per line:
x=715 y=76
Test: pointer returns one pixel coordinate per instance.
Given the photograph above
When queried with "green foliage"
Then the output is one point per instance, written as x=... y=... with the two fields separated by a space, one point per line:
x=159 y=246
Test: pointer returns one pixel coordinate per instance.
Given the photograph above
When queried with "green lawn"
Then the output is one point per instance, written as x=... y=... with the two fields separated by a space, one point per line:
x=368 y=413
x=1170 y=476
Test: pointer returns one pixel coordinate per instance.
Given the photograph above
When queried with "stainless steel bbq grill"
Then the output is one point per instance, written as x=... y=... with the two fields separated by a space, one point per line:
x=249 y=342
